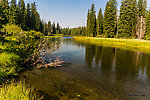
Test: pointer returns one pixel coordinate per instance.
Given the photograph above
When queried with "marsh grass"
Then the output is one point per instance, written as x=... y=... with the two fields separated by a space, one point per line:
x=127 y=44
x=17 y=91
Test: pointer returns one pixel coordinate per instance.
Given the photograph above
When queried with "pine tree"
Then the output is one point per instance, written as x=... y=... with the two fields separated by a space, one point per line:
x=87 y=28
x=58 y=28
x=110 y=19
x=134 y=17
x=28 y=17
x=53 y=28
x=125 y=19
x=100 y=23
x=1 y=15
x=147 y=33
x=113 y=17
x=5 y=8
x=92 y=21
x=145 y=8
x=35 y=18
x=106 y=19
x=49 y=27
x=22 y=13
x=142 y=6
x=37 y=21
x=13 y=12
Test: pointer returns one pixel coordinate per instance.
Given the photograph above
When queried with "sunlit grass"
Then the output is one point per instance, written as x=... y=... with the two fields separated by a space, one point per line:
x=8 y=64
x=17 y=91
x=53 y=36
x=128 y=44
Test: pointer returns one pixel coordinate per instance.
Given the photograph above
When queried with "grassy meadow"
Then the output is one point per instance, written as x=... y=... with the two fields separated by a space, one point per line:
x=127 y=44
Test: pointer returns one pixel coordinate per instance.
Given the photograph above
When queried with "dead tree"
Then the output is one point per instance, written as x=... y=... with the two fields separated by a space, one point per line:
x=141 y=25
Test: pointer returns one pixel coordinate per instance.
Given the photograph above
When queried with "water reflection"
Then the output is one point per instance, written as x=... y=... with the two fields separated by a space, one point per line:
x=124 y=63
x=96 y=72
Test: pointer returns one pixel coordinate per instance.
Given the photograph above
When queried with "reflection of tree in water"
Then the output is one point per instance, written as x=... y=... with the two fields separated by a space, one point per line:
x=90 y=52
x=107 y=60
x=126 y=64
x=98 y=55
x=147 y=66
x=103 y=54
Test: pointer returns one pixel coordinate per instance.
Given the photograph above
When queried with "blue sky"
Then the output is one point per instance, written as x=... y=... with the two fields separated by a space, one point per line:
x=69 y=13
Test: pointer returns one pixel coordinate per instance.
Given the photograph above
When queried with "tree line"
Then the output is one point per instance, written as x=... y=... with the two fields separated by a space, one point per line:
x=116 y=23
x=25 y=16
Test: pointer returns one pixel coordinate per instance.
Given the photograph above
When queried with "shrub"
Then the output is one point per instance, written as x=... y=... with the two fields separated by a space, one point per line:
x=8 y=64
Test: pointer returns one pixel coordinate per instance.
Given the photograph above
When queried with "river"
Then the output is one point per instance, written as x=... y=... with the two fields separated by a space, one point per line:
x=94 y=73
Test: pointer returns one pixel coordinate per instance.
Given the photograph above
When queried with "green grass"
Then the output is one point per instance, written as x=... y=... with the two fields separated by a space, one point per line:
x=8 y=63
x=53 y=36
x=127 y=44
x=17 y=91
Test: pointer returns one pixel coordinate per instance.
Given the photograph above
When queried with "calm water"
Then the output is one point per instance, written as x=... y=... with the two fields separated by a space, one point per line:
x=94 y=73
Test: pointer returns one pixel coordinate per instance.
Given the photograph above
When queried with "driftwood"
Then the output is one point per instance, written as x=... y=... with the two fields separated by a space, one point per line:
x=50 y=65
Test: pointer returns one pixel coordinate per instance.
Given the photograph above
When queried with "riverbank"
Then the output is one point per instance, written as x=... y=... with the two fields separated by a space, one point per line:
x=127 y=44
x=15 y=48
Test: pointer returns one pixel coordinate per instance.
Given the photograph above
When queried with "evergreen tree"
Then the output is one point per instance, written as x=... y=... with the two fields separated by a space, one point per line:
x=53 y=28
x=22 y=13
x=92 y=21
x=110 y=18
x=100 y=23
x=13 y=12
x=113 y=17
x=134 y=17
x=5 y=9
x=28 y=17
x=58 y=28
x=106 y=19
x=49 y=27
x=37 y=21
x=142 y=6
x=145 y=8
x=88 y=23
x=125 y=19
x=1 y=15
x=147 y=33
x=35 y=18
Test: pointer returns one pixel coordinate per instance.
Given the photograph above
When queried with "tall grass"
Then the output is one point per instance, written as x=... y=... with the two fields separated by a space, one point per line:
x=127 y=44
x=17 y=91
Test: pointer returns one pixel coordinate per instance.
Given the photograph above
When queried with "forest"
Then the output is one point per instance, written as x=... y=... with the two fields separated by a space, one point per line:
x=26 y=39
x=25 y=16
x=116 y=23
